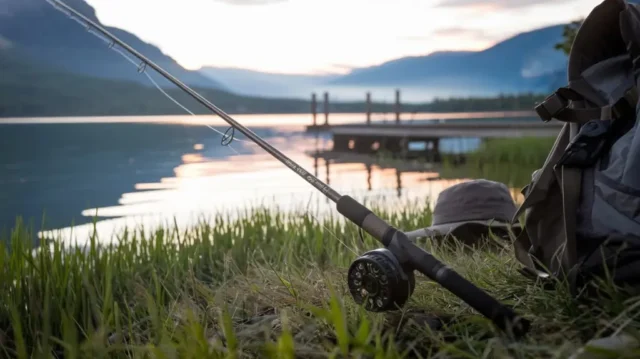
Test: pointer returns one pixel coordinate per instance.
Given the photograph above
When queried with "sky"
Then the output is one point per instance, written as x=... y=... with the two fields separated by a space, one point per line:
x=326 y=36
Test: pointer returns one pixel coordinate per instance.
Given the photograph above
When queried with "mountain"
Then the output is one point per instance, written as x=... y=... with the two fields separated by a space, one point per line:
x=47 y=36
x=29 y=89
x=525 y=62
x=256 y=83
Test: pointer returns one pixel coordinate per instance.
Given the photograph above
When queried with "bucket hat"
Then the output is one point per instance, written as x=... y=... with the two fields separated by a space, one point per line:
x=469 y=209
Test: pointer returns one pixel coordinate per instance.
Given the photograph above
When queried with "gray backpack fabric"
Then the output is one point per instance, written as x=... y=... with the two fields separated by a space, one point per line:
x=582 y=208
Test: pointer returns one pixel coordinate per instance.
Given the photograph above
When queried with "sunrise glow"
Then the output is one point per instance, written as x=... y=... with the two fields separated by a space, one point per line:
x=312 y=36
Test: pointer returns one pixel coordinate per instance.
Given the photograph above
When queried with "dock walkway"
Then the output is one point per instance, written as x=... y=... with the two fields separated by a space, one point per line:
x=404 y=138
x=489 y=129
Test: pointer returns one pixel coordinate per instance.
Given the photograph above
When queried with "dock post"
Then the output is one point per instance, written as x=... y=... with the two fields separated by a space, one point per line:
x=368 y=108
x=397 y=106
x=314 y=108
x=398 y=183
x=315 y=164
x=327 y=171
x=326 y=109
x=435 y=152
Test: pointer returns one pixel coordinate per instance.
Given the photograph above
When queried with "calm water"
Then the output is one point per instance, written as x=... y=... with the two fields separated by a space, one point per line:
x=152 y=170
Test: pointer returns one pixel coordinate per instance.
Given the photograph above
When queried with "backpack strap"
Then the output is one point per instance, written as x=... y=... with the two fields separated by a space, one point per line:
x=571 y=184
x=558 y=106
x=536 y=193
x=589 y=140
x=587 y=146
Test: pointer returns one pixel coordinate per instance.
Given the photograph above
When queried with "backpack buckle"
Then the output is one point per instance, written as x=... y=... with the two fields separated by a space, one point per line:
x=587 y=146
x=553 y=105
x=556 y=103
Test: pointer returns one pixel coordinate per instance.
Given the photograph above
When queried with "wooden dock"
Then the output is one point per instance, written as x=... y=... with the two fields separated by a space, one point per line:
x=420 y=139
x=423 y=140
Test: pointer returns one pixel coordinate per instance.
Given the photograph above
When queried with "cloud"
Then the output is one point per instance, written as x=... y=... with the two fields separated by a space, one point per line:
x=460 y=31
x=501 y=4
x=456 y=32
x=250 y=2
x=416 y=38
x=336 y=68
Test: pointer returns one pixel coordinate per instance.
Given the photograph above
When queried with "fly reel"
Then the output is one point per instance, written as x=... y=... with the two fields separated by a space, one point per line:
x=378 y=280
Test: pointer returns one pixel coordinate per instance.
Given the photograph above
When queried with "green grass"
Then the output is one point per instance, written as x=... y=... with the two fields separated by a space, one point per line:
x=507 y=160
x=270 y=285
x=523 y=151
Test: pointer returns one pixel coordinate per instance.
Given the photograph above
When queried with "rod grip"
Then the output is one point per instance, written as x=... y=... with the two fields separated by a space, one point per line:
x=501 y=315
x=365 y=219
x=352 y=209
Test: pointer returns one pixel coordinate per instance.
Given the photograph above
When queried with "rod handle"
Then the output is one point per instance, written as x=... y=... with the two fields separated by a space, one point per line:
x=501 y=315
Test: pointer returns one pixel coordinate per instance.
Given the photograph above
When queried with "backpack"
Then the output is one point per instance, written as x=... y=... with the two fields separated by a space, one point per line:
x=582 y=207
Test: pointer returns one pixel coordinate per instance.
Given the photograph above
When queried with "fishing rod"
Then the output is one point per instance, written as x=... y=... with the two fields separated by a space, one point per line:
x=381 y=279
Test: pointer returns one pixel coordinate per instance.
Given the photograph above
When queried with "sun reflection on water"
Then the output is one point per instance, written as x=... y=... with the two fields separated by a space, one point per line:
x=204 y=187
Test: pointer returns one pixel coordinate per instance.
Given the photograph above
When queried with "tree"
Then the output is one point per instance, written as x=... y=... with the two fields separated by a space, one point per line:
x=568 y=34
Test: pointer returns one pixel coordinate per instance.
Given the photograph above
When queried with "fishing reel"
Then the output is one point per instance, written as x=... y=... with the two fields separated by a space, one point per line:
x=377 y=280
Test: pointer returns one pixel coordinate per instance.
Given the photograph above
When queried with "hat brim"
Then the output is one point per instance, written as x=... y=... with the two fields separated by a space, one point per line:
x=441 y=230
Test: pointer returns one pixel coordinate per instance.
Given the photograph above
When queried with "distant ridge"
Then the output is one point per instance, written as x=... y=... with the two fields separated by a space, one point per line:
x=48 y=37
x=526 y=62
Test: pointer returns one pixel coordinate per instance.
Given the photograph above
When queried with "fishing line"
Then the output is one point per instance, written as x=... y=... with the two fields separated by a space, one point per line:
x=227 y=137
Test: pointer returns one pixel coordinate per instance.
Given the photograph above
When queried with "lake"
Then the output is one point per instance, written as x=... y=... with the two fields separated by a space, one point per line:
x=152 y=170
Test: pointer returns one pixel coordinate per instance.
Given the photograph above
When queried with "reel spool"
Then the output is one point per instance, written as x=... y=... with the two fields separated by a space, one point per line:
x=379 y=281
